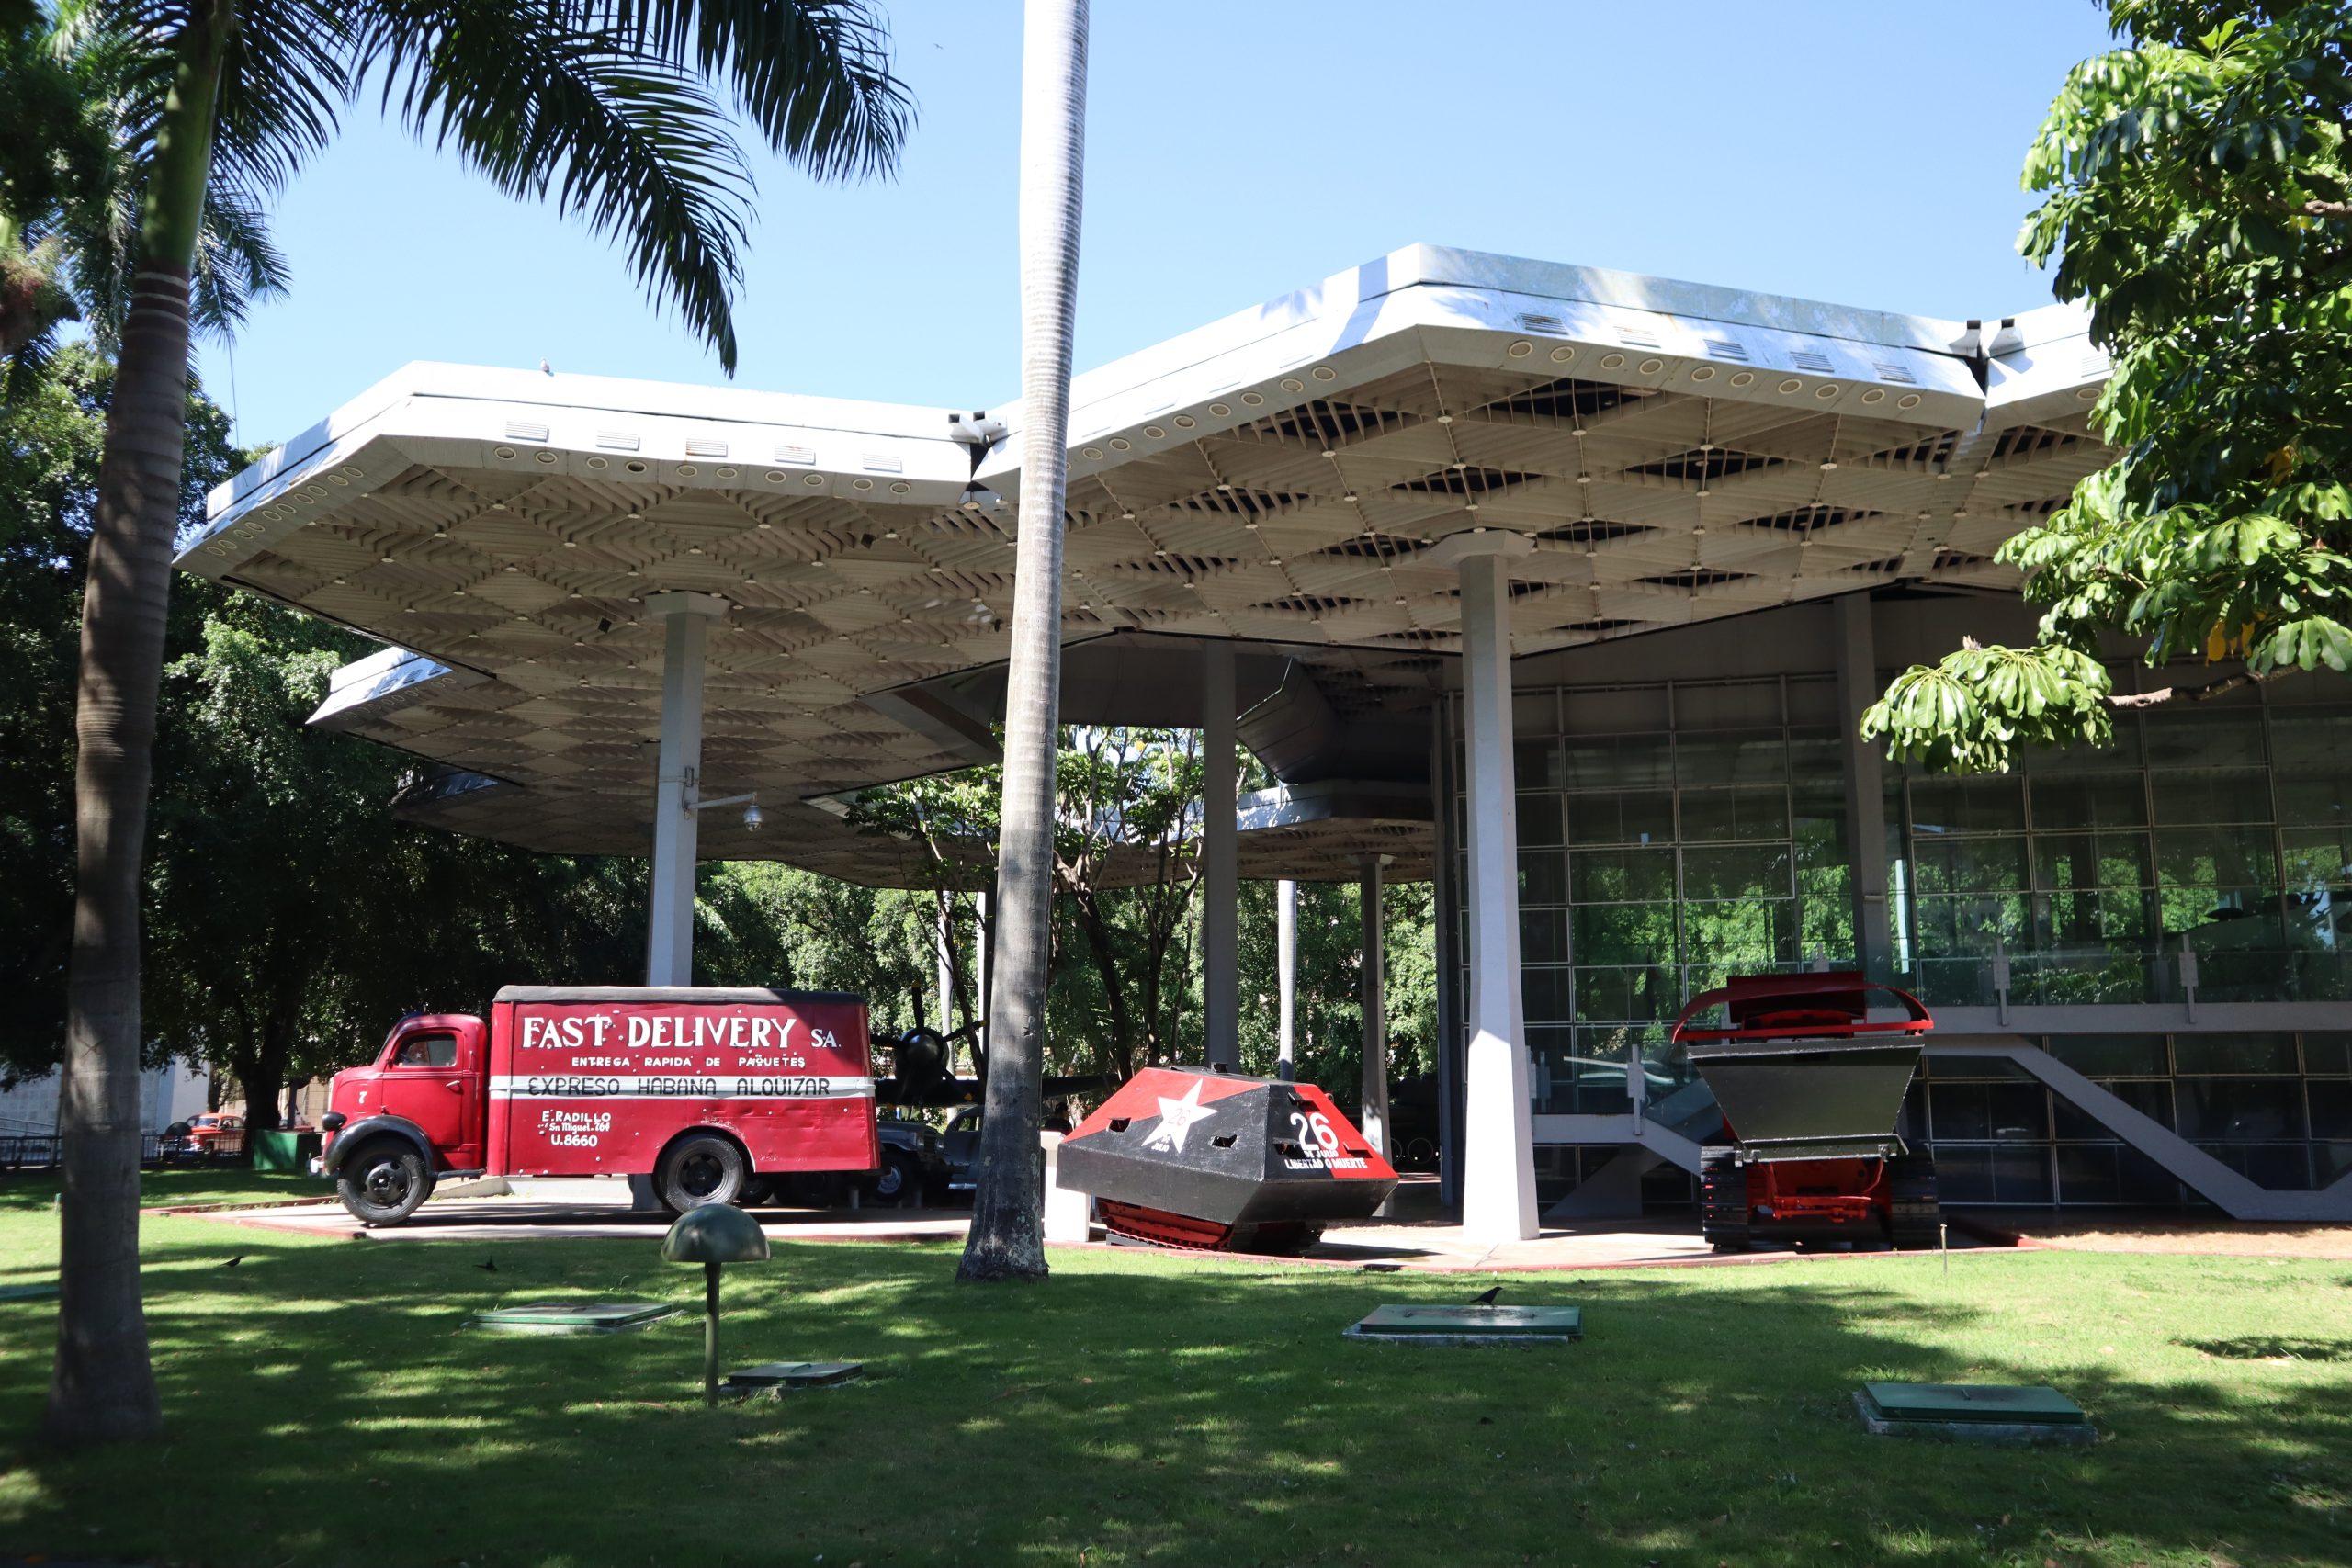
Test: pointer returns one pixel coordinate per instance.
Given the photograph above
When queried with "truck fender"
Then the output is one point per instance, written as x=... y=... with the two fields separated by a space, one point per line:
x=369 y=1128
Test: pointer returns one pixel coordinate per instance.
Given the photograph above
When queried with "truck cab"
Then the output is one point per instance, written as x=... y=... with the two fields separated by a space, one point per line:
x=413 y=1115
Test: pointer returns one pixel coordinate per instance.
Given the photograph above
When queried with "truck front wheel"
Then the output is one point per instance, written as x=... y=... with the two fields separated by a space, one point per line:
x=383 y=1183
x=701 y=1169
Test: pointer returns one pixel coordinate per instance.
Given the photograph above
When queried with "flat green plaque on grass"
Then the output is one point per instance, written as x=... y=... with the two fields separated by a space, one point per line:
x=1984 y=1413
x=781 y=1375
x=27 y=1292
x=573 y=1317
x=1472 y=1324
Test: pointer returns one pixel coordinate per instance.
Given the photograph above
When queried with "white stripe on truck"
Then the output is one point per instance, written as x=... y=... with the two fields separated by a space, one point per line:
x=675 y=1086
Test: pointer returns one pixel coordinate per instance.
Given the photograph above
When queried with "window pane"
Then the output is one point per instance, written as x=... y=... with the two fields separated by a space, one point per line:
x=2328 y=1055
x=1749 y=934
x=1622 y=877
x=1646 y=992
x=2240 y=1109
x=2088 y=860
x=2211 y=795
x=2112 y=1056
x=1537 y=764
x=1758 y=757
x=1632 y=816
x=2190 y=738
x=1543 y=936
x=2113 y=800
x=2233 y=1054
x=1742 y=871
x=1542 y=877
x=2331 y=1102
x=1969 y=866
x=2150 y=1099
x=1622 y=761
x=1735 y=814
x=1623 y=933
x=1539 y=820
x=1968 y=805
x=1819 y=824
x=2217 y=857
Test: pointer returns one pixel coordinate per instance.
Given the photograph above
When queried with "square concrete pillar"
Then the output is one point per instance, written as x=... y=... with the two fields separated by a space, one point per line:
x=1498 y=1135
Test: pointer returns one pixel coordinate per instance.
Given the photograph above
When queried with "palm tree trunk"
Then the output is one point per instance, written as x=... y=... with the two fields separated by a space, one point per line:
x=103 y=1386
x=1007 y=1239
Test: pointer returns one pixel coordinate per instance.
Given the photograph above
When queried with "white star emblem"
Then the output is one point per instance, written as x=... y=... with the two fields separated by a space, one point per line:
x=1176 y=1119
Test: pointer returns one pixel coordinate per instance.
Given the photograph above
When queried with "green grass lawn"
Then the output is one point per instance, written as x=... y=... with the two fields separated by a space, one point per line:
x=324 y=1407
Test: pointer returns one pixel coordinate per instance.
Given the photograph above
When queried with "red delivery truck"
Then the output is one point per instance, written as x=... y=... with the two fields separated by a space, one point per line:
x=705 y=1092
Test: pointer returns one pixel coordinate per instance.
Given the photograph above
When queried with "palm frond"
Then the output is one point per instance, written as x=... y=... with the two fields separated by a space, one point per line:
x=287 y=74
x=814 y=75
x=626 y=140
x=236 y=264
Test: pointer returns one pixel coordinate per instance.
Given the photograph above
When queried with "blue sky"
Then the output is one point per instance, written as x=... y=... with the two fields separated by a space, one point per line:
x=1859 y=151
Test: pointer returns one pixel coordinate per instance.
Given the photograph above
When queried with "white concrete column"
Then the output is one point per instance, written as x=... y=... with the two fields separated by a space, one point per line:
x=1220 y=876
x=1287 y=972
x=1865 y=787
x=1374 y=1115
x=670 y=936
x=1498 y=1136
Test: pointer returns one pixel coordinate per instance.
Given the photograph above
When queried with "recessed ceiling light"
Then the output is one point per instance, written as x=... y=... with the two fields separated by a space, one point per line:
x=1612 y=361
x=1521 y=349
x=1651 y=366
x=1703 y=373
x=812 y=480
x=1826 y=391
x=900 y=487
x=598 y=463
x=1185 y=422
x=1562 y=354
x=1252 y=400
x=503 y=451
x=861 y=484
x=339 y=582
x=1091 y=452
x=548 y=458
x=1120 y=443
x=1830 y=467
x=1349 y=496
x=1908 y=401
x=2089 y=394
x=1445 y=419
x=766 y=526
x=1790 y=384
x=1220 y=410
x=456 y=593
x=1324 y=373
x=688 y=471
x=1153 y=432
x=571 y=544
x=1584 y=479
x=1875 y=394
x=1293 y=384
x=1742 y=378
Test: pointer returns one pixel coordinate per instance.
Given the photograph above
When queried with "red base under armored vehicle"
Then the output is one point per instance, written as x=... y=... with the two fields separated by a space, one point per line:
x=1811 y=1089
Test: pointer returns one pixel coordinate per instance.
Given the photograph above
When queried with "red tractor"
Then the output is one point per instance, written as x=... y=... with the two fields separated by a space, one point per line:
x=1811 y=1087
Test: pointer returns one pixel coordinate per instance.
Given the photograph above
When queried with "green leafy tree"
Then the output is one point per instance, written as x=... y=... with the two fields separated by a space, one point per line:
x=2195 y=192
x=612 y=108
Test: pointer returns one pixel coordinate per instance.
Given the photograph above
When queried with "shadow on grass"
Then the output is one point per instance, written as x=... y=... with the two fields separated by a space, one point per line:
x=327 y=1407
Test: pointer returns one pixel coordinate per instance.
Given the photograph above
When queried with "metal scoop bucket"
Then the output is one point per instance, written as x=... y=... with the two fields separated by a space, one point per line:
x=1802 y=1074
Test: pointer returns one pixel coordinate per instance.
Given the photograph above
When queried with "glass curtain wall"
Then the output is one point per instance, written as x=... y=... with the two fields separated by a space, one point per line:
x=1669 y=836
x=2220 y=831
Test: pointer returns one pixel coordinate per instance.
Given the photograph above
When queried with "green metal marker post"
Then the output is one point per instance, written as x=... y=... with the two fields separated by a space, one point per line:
x=714 y=1235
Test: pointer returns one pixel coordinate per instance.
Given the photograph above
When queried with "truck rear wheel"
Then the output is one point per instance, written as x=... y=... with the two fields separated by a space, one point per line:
x=382 y=1182
x=899 y=1181
x=701 y=1167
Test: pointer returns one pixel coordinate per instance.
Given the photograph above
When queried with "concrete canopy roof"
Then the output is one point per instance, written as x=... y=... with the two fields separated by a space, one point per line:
x=1282 y=479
